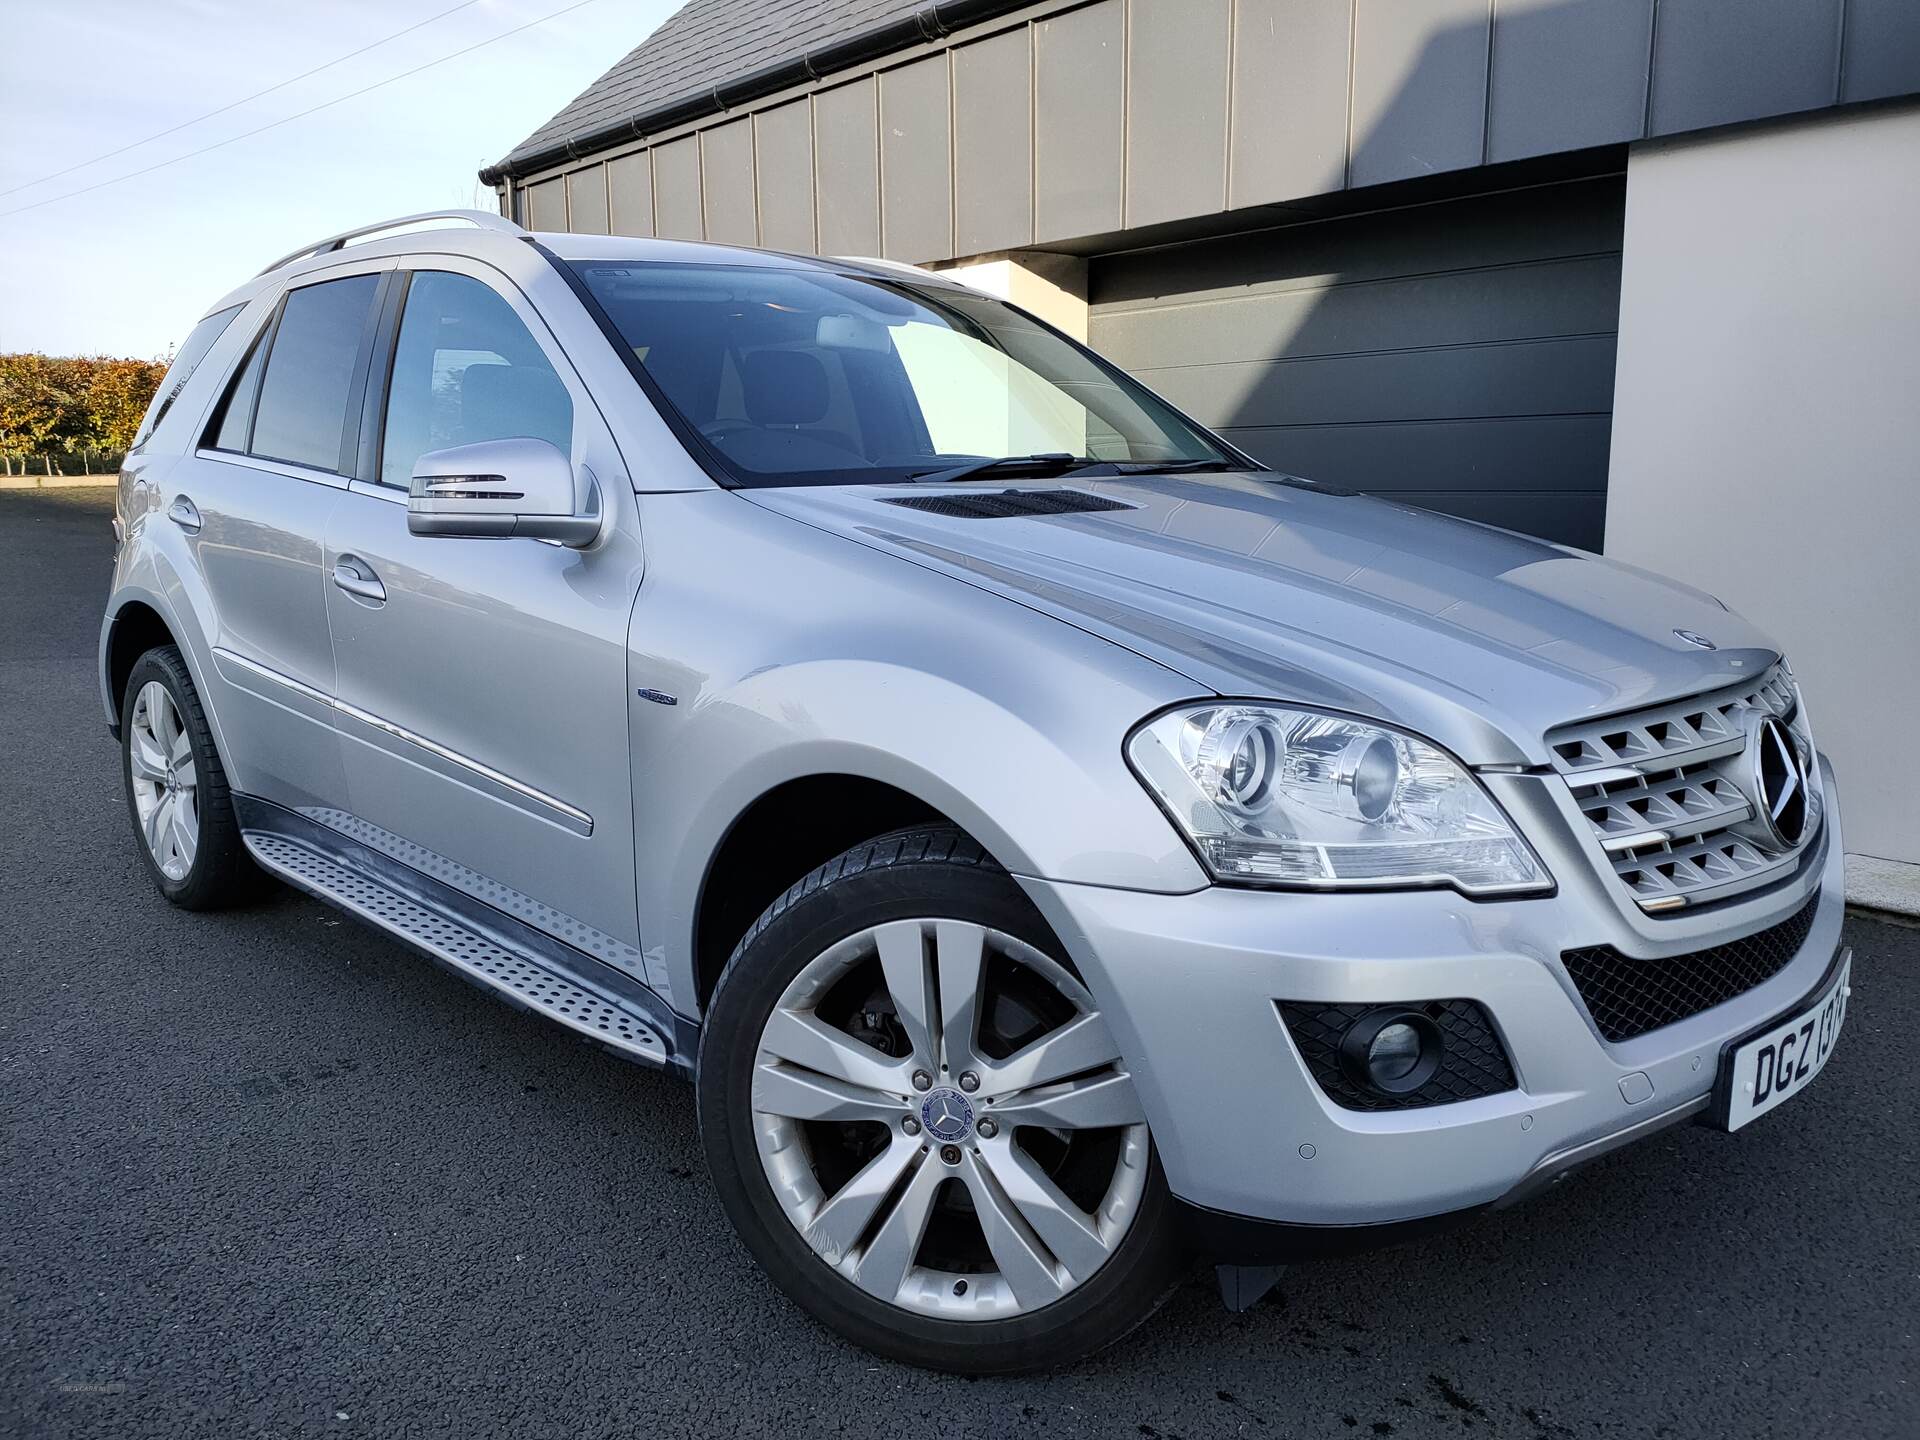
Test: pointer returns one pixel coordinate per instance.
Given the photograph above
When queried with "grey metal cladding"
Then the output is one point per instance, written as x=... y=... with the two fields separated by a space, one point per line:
x=547 y=205
x=1715 y=63
x=1078 y=120
x=993 y=144
x=1177 y=65
x=916 y=150
x=676 y=190
x=783 y=172
x=1292 y=60
x=1079 y=71
x=847 y=169
x=1567 y=74
x=1419 y=87
x=630 y=194
x=1882 y=53
x=726 y=182
x=1459 y=356
x=587 y=200
x=701 y=44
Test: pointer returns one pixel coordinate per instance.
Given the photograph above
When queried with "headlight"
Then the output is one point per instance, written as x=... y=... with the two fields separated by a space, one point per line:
x=1274 y=796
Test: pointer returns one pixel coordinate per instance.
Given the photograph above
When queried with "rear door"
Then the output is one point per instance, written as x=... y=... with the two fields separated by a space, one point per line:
x=483 y=683
x=254 y=498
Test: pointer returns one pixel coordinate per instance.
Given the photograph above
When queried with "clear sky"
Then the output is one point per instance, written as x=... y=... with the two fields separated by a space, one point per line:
x=127 y=269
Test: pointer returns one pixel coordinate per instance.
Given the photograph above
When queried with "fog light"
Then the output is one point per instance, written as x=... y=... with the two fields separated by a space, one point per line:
x=1392 y=1051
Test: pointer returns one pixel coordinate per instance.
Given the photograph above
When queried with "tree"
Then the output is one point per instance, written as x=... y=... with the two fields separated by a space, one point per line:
x=62 y=403
x=117 y=396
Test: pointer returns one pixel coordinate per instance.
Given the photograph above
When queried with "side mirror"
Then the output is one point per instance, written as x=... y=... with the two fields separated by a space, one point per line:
x=500 y=488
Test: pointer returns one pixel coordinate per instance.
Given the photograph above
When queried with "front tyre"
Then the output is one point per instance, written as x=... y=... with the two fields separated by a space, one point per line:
x=920 y=1124
x=177 y=790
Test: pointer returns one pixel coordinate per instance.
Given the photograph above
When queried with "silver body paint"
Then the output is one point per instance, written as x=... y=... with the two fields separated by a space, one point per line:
x=486 y=724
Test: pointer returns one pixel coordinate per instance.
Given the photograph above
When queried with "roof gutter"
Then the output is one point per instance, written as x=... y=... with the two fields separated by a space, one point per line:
x=923 y=25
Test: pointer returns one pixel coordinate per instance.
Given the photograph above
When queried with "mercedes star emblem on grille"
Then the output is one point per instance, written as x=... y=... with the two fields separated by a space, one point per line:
x=1779 y=781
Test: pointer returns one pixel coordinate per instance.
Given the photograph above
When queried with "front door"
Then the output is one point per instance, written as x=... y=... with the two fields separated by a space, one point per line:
x=482 y=684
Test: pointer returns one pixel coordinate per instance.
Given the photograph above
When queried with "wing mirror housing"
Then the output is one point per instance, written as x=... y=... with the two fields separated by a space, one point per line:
x=502 y=488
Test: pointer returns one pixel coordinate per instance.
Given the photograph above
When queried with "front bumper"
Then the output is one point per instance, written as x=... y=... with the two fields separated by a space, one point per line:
x=1189 y=984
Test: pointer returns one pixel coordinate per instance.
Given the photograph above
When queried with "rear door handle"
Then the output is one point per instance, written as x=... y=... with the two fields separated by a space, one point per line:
x=356 y=577
x=184 y=513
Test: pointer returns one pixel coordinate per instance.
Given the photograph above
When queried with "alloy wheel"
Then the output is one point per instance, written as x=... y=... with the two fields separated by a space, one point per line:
x=942 y=1114
x=165 y=784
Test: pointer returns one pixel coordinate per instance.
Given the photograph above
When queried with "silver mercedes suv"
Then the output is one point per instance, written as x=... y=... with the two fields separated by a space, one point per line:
x=1057 y=845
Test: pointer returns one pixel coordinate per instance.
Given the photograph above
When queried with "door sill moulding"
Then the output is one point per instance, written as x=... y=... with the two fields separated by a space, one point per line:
x=527 y=968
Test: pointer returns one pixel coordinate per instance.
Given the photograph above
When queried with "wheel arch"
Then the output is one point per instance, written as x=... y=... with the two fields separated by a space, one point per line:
x=781 y=836
x=136 y=621
x=132 y=630
x=1037 y=780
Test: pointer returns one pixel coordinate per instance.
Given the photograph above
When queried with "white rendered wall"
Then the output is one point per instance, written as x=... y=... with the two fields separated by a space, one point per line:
x=1766 y=421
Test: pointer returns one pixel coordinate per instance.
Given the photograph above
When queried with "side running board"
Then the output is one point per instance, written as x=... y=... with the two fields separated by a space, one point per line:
x=521 y=965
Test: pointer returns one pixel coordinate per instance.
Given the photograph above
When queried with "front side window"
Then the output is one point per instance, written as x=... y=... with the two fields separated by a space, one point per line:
x=301 y=414
x=185 y=361
x=466 y=369
x=812 y=377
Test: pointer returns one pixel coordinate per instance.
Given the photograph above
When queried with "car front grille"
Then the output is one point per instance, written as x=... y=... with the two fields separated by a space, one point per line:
x=1666 y=792
x=1628 y=997
x=1473 y=1062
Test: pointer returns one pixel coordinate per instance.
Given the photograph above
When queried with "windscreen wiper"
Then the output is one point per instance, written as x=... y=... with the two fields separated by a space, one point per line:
x=1053 y=463
x=1170 y=467
x=1061 y=463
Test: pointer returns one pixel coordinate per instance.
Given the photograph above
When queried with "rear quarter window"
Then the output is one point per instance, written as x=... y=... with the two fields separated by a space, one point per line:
x=185 y=361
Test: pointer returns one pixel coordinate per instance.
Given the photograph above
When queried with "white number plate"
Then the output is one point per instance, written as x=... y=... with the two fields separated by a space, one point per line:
x=1781 y=1063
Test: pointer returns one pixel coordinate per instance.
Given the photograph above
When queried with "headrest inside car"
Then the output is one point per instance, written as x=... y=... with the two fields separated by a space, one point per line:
x=784 y=387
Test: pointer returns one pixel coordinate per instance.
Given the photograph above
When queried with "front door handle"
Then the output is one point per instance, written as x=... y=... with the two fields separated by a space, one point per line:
x=356 y=577
x=184 y=513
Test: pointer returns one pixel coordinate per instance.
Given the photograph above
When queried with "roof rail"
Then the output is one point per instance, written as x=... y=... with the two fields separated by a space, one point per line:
x=483 y=219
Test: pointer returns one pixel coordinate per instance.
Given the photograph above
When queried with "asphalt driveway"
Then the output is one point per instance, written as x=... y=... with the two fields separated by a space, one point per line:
x=268 y=1173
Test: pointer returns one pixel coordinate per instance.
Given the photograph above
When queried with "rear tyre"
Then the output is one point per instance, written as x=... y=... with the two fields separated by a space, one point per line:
x=177 y=790
x=919 y=1123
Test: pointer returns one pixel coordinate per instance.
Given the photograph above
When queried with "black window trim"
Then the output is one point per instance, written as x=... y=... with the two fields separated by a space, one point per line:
x=217 y=418
x=372 y=445
x=346 y=464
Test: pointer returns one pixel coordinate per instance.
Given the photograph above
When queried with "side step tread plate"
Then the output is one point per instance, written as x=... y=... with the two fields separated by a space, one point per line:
x=518 y=977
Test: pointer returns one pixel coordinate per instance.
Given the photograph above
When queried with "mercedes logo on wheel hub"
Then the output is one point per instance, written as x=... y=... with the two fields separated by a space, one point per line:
x=947 y=1115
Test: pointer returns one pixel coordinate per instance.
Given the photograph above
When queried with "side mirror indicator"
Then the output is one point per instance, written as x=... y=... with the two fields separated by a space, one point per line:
x=502 y=488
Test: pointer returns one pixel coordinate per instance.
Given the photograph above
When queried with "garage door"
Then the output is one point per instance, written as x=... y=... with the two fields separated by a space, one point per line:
x=1457 y=355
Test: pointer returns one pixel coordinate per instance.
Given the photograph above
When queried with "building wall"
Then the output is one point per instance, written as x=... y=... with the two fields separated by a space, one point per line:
x=1766 y=437
x=1076 y=119
x=1457 y=355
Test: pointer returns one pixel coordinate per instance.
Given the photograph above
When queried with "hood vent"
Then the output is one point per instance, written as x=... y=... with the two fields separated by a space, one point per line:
x=1005 y=504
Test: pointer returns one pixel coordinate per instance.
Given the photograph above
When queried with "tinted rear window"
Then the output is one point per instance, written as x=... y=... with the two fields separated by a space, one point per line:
x=302 y=410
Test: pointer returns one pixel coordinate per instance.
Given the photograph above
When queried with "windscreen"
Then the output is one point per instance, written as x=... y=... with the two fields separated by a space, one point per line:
x=808 y=377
